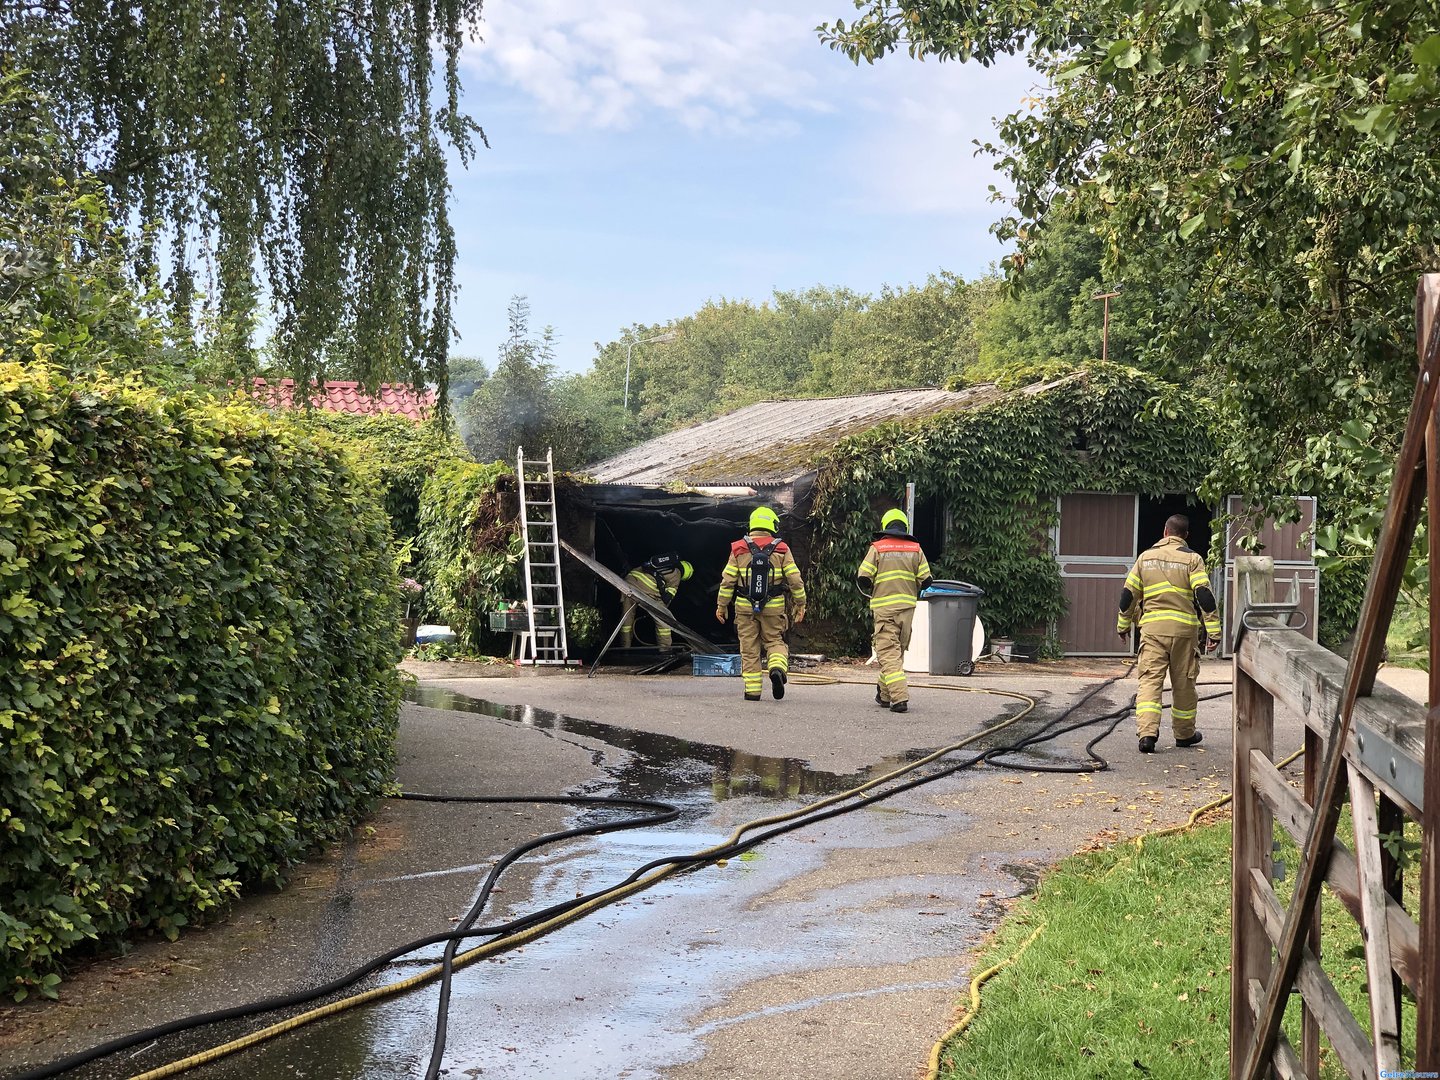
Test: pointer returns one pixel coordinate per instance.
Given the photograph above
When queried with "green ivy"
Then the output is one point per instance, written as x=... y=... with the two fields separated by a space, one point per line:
x=398 y=456
x=470 y=546
x=200 y=624
x=1000 y=469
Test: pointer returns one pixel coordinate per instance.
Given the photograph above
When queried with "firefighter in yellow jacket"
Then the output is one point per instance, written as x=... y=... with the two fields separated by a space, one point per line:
x=760 y=619
x=659 y=579
x=1163 y=592
x=893 y=572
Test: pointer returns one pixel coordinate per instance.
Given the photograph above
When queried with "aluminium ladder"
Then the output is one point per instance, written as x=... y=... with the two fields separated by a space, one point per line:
x=544 y=642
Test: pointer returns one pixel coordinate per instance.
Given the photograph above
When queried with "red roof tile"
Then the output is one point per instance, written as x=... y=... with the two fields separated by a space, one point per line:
x=350 y=397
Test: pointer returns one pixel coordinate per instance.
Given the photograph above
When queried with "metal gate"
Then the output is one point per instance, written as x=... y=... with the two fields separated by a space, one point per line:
x=1096 y=541
x=1291 y=545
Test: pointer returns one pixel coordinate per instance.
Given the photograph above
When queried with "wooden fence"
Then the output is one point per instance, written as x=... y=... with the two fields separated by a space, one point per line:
x=1363 y=739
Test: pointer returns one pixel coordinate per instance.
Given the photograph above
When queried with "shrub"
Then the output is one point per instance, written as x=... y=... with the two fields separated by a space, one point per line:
x=199 y=616
x=470 y=547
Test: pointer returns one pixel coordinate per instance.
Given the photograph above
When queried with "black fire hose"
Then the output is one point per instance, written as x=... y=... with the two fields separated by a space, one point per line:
x=658 y=813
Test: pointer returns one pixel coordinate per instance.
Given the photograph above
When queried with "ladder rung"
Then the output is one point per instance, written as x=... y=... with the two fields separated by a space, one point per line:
x=544 y=564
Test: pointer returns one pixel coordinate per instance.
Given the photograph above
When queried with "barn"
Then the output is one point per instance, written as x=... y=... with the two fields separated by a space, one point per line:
x=1041 y=492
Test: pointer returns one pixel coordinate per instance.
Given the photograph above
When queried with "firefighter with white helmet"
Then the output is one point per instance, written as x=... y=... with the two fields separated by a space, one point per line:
x=760 y=572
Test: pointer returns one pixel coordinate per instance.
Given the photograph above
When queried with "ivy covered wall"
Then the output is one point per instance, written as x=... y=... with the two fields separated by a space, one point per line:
x=999 y=470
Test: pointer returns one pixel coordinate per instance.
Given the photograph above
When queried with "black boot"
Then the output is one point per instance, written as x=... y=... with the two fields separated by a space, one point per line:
x=1193 y=740
x=752 y=697
x=777 y=683
x=900 y=706
x=1147 y=744
x=881 y=701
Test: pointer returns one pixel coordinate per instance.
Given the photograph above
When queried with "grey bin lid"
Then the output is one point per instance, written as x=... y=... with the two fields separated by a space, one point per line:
x=951 y=590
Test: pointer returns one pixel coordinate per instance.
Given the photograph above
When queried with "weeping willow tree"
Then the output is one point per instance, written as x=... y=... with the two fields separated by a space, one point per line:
x=288 y=157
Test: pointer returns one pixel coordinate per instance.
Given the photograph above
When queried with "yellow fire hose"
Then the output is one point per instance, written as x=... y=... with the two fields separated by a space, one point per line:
x=530 y=933
x=938 y=1049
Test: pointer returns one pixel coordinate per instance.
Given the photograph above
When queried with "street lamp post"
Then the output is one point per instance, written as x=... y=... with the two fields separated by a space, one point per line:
x=658 y=339
x=1105 y=327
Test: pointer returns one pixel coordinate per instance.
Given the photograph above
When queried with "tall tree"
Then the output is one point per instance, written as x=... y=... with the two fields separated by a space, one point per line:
x=1266 y=164
x=905 y=337
x=289 y=151
x=526 y=403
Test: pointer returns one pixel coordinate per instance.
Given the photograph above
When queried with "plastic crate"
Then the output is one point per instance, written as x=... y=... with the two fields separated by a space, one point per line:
x=511 y=622
x=715 y=664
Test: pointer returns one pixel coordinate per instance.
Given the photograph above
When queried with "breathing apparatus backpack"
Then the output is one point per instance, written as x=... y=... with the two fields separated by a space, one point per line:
x=757 y=589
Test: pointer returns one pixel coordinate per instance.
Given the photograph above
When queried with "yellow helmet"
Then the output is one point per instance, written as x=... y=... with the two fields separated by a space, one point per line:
x=762 y=517
x=686 y=570
x=892 y=516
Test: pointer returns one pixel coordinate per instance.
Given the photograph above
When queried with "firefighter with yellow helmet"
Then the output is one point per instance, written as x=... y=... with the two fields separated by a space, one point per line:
x=760 y=572
x=893 y=573
x=658 y=578
x=1168 y=593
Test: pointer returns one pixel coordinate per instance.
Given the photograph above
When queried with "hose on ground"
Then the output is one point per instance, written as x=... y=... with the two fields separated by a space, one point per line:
x=515 y=932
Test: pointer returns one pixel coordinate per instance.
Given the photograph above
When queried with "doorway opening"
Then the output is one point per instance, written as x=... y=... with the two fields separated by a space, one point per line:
x=1153 y=513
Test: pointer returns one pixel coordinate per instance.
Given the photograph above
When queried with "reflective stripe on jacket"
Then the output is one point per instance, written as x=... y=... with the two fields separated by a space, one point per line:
x=784 y=574
x=1162 y=587
x=898 y=569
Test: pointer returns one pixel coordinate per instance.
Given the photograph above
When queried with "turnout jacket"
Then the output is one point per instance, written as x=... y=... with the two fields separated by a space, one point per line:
x=655 y=583
x=1163 y=590
x=784 y=575
x=893 y=572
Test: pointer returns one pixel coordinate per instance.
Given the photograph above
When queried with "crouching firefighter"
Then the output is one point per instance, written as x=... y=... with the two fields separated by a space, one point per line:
x=893 y=573
x=760 y=572
x=658 y=578
x=1165 y=589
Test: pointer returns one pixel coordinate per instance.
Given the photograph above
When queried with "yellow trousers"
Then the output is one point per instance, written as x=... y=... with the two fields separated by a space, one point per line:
x=762 y=645
x=1160 y=654
x=891 y=637
x=663 y=637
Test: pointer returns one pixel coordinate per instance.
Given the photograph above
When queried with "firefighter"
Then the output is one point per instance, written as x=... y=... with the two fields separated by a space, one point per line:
x=760 y=619
x=659 y=579
x=1164 y=591
x=893 y=573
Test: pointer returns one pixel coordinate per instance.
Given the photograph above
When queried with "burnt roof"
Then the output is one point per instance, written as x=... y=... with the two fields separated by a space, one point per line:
x=775 y=443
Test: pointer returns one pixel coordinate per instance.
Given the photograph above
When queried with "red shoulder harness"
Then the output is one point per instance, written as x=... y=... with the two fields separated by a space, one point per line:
x=743 y=545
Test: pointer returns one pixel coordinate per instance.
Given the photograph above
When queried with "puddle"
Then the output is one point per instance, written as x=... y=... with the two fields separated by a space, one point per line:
x=619 y=993
x=660 y=766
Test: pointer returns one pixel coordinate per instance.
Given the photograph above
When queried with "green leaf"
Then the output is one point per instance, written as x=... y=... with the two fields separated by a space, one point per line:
x=1427 y=52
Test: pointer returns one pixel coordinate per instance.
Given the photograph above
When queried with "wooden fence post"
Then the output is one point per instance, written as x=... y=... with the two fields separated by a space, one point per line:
x=1252 y=834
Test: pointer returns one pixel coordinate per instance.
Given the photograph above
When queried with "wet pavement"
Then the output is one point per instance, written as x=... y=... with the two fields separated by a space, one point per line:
x=838 y=950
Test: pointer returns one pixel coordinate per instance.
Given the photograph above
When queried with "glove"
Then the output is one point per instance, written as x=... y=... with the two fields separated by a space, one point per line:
x=1122 y=634
x=1211 y=644
x=799 y=616
x=719 y=614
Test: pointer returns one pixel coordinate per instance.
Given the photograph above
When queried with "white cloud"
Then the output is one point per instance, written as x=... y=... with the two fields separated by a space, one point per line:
x=714 y=66
x=916 y=151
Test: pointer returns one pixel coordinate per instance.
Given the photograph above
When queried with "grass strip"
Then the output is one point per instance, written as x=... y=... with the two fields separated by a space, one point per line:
x=1131 y=976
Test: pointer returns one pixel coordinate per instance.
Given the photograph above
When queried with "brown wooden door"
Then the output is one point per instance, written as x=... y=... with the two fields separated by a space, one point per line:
x=1095 y=545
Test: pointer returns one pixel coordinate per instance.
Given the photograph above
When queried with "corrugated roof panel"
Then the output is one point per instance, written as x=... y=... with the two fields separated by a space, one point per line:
x=772 y=442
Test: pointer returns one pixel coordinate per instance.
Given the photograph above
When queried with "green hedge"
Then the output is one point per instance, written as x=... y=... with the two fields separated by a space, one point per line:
x=400 y=456
x=199 y=617
x=470 y=547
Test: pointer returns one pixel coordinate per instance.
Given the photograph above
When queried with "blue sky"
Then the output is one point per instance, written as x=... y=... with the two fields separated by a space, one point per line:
x=649 y=155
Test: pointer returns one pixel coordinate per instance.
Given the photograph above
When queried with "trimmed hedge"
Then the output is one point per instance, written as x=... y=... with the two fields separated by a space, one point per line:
x=198 y=636
x=401 y=456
